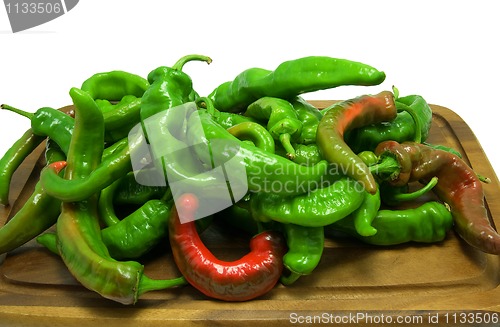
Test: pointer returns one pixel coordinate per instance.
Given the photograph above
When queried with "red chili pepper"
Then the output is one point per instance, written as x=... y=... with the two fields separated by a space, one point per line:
x=344 y=116
x=249 y=277
x=458 y=185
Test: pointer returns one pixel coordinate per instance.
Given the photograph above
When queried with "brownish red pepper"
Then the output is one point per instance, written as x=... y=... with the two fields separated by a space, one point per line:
x=458 y=185
x=247 y=278
x=344 y=116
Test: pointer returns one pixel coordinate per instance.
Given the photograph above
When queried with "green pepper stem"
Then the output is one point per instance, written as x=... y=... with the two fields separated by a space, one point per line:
x=388 y=165
x=287 y=145
x=180 y=63
x=400 y=197
x=147 y=284
x=26 y=114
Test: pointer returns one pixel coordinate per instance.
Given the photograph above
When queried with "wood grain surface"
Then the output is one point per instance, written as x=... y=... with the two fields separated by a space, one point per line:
x=37 y=290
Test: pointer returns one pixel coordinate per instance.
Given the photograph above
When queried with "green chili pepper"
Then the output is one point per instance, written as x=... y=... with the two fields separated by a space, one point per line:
x=49 y=122
x=114 y=85
x=105 y=205
x=310 y=116
x=78 y=232
x=129 y=191
x=292 y=78
x=139 y=232
x=120 y=118
x=320 y=207
x=170 y=87
x=412 y=123
x=13 y=158
x=366 y=213
x=305 y=249
x=282 y=120
x=257 y=134
x=38 y=213
x=307 y=154
x=344 y=116
x=266 y=172
x=427 y=223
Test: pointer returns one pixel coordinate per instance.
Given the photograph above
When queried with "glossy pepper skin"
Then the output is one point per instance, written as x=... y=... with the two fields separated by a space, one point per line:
x=170 y=87
x=13 y=158
x=49 y=122
x=255 y=133
x=427 y=223
x=310 y=116
x=266 y=172
x=114 y=85
x=78 y=232
x=247 y=278
x=344 y=116
x=319 y=207
x=281 y=120
x=292 y=78
x=305 y=249
x=38 y=213
x=458 y=186
x=121 y=117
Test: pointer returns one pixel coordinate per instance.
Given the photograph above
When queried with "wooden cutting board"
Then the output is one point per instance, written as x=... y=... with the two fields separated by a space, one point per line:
x=352 y=278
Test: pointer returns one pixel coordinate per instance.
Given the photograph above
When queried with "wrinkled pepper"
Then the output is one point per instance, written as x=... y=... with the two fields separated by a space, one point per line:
x=458 y=186
x=114 y=85
x=249 y=277
x=427 y=223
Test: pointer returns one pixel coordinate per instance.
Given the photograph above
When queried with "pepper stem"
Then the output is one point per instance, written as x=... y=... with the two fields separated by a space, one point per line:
x=287 y=145
x=147 y=284
x=387 y=166
x=180 y=63
x=26 y=114
x=401 y=197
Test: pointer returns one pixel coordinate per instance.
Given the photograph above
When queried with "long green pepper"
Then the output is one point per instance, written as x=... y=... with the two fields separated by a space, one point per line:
x=78 y=232
x=292 y=78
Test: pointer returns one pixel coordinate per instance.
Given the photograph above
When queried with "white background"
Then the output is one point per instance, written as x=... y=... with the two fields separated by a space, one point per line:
x=446 y=51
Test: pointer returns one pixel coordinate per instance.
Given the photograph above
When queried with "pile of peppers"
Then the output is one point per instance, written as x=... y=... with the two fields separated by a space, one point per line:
x=360 y=168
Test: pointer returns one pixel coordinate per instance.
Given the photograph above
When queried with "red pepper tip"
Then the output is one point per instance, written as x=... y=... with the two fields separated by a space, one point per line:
x=58 y=166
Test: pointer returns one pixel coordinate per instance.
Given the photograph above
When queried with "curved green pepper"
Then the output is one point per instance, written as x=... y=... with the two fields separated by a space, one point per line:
x=114 y=85
x=282 y=120
x=427 y=223
x=170 y=87
x=292 y=78
x=305 y=249
x=320 y=207
x=310 y=116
